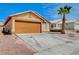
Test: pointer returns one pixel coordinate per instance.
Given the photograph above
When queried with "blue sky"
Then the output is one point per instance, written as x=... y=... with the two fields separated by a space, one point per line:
x=49 y=11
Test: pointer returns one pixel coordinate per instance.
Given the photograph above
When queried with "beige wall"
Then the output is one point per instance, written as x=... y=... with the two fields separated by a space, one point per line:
x=8 y=26
x=28 y=17
x=45 y=27
x=1 y=28
x=48 y=27
x=13 y=26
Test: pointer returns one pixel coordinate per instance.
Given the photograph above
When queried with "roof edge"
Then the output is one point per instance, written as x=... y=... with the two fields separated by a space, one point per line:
x=40 y=16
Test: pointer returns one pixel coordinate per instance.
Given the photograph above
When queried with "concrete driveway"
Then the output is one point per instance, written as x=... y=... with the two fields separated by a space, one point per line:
x=52 y=43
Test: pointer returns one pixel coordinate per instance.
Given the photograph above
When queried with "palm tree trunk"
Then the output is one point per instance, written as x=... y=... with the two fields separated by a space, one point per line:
x=63 y=25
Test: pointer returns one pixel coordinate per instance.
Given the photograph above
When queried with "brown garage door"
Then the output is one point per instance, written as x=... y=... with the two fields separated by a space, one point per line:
x=27 y=27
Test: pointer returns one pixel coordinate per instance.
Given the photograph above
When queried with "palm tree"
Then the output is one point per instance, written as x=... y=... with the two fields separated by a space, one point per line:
x=63 y=11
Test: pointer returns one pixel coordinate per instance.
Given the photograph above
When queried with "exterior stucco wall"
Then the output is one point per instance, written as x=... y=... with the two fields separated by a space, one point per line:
x=76 y=27
x=69 y=26
x=27 y=17
x=1 y=28
x=8 y=26
x=48 y=27
x=45 y=27
x=13 y=26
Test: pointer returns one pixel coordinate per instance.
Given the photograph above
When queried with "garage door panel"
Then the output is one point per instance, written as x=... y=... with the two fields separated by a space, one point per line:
x=27 y=27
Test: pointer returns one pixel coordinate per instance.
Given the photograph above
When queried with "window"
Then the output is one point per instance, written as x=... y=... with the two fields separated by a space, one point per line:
x=54 y=25
x=59 y=25
x=51 y=25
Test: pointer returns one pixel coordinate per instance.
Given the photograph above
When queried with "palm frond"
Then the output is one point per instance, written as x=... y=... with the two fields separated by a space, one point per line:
x=69 y=8
x=64 y=10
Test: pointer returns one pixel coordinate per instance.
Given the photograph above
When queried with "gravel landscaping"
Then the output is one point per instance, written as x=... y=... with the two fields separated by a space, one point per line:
x=10 y=45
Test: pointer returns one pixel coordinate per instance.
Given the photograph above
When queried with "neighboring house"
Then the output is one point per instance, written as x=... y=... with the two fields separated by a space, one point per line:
x=55 y=25
x=70 y=25
x=76 y=26
x=26 y=22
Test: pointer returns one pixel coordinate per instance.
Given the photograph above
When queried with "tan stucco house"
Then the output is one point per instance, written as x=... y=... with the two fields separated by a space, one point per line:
x=26 y=22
